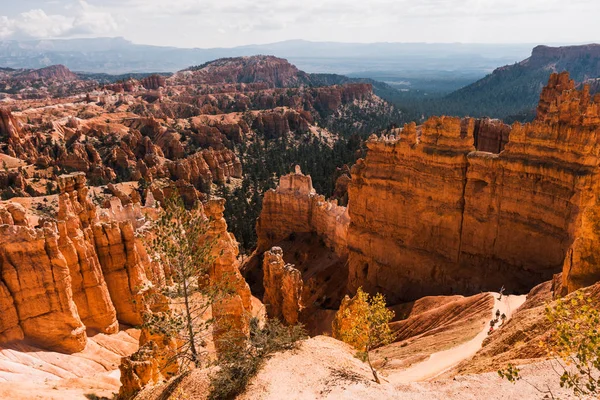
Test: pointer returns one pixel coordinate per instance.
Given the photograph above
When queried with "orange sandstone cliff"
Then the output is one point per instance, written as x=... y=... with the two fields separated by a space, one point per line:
x=295 y=207
x=460 y=205
x=431 y=215
x=62 y=277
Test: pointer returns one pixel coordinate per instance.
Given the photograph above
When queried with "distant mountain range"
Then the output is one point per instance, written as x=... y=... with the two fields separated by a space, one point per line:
x=512 y=92
x=422 y=79
x=118 y=56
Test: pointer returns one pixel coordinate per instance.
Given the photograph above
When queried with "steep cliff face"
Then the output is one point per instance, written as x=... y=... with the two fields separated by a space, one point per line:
x=76 y=243
x=283 y=287
x=35 y=290
x=112 y=246
x=16 y=143
x=123 y=271
x=491 y=135
x=154 y=82
x=83 y=271
x=295 y=207
x=232 y=313
x=310 y=233
x=429 y=215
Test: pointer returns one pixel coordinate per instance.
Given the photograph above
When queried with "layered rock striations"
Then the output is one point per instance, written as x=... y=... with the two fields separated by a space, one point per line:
x=295 y=207
x=430 y=215
x=82 y=271
x=283 y=287
x=299 y=267
x=231 y=313
x=76 y=243
x=37 y=298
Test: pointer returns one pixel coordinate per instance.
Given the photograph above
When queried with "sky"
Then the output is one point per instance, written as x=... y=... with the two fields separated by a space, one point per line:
x=228 y=23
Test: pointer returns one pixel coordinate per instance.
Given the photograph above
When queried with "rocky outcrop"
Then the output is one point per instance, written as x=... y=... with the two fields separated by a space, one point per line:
x=490 y=135
x=283 y=287
x=122 y=279
x=51 y=73
x=277 y=124
x=154 y=82
x=272 y=71
x=155 y=361
x=430 y=215
x=35 y=289
x=17 y=144
x=232 y=313
x=295 y=207
x=544 y=55
x=82 y=271
x=312 y=233
x=206 y=166
x=329 y=99
x=76 y=243
x=122 y=268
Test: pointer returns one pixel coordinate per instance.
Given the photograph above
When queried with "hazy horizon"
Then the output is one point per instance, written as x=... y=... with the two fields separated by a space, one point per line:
x=520 y=44
x=232 y=23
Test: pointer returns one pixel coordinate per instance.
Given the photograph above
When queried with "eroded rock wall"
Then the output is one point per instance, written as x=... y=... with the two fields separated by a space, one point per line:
x=232 y=313
x=295 y=207
x=35 y=290
x=283 y=287
x=430 y=215
x=81 y=271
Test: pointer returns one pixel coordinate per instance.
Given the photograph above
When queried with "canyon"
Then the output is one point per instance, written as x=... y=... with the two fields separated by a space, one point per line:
x=431 y=215
x=437 y=217
x=459 y=206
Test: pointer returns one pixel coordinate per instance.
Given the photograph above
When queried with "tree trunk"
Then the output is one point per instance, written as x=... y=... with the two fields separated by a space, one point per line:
x=372 y=369
x=189 y=322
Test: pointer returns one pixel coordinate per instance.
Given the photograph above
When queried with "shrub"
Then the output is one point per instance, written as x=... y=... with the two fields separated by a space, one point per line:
x=239 y=366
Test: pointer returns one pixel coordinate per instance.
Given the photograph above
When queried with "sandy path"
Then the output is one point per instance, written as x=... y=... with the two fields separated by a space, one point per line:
x=439 y=362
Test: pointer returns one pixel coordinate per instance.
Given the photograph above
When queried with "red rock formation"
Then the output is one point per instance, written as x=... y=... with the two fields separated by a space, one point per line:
x=122 y=268
x=331 y=98
x=205 y=166
x=283 y=287
x=272 y=124
x=36 y=293
x=154 y=82
x=53 y=73
x=17 y=145
x=76 y=243
x=313 y=234
x=431 y=216
x=269 y=70
x=490 y=135
x=294 y=207
x=231 y=314
x=278 y=123
x=152 y=363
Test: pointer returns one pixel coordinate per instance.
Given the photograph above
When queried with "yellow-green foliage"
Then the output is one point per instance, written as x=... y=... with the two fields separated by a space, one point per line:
x=363 y=322
x=574 y=343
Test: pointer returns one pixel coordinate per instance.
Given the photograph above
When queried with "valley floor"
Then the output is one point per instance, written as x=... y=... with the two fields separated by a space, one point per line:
x=322 y=368
x=441 y=361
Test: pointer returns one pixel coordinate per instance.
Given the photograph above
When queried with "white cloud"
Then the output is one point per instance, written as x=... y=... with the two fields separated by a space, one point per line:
x=84 y=20
x=212 y=23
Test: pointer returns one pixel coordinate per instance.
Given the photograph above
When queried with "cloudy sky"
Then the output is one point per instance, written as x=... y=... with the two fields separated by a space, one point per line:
x=225 y=23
